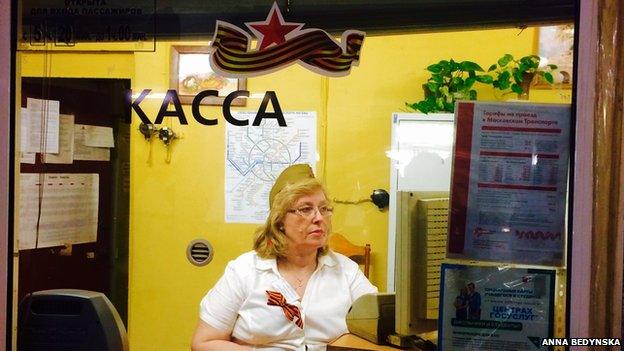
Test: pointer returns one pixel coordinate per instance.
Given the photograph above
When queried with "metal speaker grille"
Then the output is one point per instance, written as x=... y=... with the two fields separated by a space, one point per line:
x=199 y=252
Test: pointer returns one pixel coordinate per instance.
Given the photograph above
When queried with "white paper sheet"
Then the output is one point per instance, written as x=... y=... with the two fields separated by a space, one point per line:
x=96 y=136
x=256 y=155
x=87 y=153
x=24 y=129
x=69 y=209
x=43 y=126
x=66 y=142
x=25 y=157
x=28 y=157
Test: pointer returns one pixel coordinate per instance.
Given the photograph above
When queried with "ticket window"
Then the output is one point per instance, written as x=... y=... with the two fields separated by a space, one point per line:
x=199 y=170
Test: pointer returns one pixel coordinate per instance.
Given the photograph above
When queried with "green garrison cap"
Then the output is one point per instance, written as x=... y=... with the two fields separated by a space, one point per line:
x=290 y=175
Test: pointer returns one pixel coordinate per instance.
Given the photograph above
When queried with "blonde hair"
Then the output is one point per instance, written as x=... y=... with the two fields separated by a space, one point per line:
x=270 y=240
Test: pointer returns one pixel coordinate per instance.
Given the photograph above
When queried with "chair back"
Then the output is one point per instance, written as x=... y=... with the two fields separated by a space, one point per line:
x=359 y=254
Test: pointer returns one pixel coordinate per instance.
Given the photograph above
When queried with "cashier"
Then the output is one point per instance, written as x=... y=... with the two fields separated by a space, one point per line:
x=290 y=292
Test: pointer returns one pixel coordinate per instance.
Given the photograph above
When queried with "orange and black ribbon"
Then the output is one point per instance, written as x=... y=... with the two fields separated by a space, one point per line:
x=291 y=311
x=313 y=47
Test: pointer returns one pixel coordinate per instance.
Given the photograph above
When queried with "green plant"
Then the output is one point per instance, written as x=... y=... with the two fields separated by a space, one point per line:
x=516 y=75
x=449 y=81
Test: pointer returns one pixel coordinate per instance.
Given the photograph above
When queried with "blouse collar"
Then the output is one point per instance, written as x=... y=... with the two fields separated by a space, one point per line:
x=271 y=263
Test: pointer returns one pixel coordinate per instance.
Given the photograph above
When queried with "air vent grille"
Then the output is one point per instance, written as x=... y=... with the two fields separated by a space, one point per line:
x=199 y=252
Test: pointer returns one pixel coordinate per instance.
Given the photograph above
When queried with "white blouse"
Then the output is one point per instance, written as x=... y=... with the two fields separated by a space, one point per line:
x=238 y=303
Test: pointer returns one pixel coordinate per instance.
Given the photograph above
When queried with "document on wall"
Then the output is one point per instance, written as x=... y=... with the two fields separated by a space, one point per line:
x=96 y=136
x=28 y=157
x=495 y=308
x=43 y=129
x=57 y=209
x=256 y=155
x=25 y=156
x=509 y=182
x=87 y=153
x=66 y=142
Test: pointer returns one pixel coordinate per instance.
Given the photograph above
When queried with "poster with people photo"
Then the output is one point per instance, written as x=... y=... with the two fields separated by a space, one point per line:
x=495 y=308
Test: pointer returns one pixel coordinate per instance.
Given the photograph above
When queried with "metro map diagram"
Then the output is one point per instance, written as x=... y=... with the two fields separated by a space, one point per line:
x=256 y=155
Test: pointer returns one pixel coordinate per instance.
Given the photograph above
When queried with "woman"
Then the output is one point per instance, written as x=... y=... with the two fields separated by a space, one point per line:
x=290 y=292
x=461 y=304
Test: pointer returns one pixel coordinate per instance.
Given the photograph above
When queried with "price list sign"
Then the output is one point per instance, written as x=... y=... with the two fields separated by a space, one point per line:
x=91 y=25
x=509 y=182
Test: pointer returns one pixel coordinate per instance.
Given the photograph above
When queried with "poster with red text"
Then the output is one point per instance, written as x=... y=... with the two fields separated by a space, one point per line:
x=509 y=182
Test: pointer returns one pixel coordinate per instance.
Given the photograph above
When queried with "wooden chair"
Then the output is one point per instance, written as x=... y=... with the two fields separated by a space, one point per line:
x=359 y=254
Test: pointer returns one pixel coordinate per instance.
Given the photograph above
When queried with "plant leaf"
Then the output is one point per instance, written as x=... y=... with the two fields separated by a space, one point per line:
x=548 y=77
x=552 y=66
x=449 y=107
x=503 y=80
x=473 y=94
x=492 y=67
x=470 y=82
x=437 y=78
x=435 y=68
x=450 y=98
x=444 y=67
x=413 y=106
x=503 y=61
x=457 y=83
x=433 y=87
x=522 y=67
x=440 y=104
x=529 y=62
x=485 y=78
x=423 y=107
x=454 y=66
x=470 y=66
x=516 y=89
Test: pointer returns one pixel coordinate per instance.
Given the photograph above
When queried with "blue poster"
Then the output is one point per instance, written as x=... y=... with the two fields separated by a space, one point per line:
x=495 y=308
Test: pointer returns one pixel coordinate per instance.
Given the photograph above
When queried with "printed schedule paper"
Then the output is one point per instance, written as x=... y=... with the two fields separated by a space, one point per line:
x=87 y=153
x=96 y=136
x=66 y=142
x=25 y=156
x=43 y=128
x=57 y=209
x=509 y=182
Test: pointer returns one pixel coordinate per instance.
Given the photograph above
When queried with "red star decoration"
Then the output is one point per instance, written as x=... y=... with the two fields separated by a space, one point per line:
x=273 y=30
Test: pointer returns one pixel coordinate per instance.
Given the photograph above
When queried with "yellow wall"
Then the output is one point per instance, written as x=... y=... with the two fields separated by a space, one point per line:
x=173 y=203
x=360 y=107
x=83 y=65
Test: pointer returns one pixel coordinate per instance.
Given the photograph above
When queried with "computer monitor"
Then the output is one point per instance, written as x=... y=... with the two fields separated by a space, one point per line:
x=422 y=222
x=69 y=320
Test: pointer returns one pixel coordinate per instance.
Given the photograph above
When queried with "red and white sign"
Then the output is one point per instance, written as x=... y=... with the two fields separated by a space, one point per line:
x=281 y=44
x=509 y=182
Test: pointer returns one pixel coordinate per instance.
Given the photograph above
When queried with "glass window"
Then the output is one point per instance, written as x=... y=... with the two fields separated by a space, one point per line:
x=132 y=146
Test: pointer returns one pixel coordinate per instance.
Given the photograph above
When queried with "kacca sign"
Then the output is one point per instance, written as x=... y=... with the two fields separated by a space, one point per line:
x=280 y=44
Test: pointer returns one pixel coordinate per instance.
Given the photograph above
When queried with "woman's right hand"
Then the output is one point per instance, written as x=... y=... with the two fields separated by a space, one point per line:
x=208 y=338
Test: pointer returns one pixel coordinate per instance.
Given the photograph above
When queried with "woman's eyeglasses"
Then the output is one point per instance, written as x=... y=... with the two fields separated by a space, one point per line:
x=310 y=211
